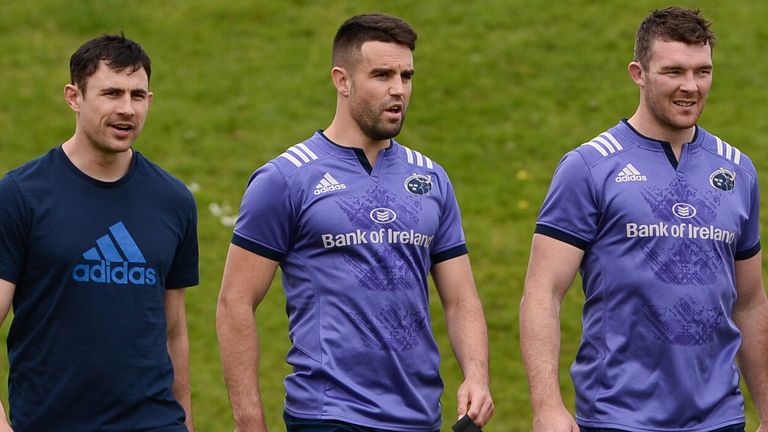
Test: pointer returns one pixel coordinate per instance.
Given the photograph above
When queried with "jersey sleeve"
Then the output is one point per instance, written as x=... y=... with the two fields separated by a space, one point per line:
x=570 y=210
x=184 y=270
x=449 y=240
x=749 y=240
x=265 y=222
x=14 y=227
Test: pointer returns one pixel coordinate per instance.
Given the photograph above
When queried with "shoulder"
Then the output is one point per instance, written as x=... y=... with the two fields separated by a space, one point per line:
x=728 y=154
x=606 y=145
x=38 y=167
x=418 y=161
x=161 y=181
x=34 y=177
x=422 y=172
x=298 y=157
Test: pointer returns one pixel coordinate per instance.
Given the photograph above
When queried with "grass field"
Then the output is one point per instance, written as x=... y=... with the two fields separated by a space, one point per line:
x=502 y=90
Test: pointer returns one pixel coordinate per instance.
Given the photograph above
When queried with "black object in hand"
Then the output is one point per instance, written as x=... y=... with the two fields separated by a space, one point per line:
x=465 y=424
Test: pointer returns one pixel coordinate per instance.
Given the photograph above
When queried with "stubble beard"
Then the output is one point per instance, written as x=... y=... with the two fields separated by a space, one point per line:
x=374 y=127
x=101 y=142
x=666 y=117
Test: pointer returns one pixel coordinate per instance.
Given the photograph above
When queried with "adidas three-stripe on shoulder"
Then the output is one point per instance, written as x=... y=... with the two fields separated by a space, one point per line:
x=299 y=154
x=605 y=143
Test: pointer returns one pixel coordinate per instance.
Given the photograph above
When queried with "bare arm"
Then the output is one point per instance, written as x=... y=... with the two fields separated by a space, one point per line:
x=178 y=349
x=7 y=289
x=750 y=313
x=247 y=277
x=468 y=334
x=551 y=270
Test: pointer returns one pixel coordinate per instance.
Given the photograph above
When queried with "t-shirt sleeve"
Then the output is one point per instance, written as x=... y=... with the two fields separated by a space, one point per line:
x=449 y=240
x=570 y=211
x=265 y=220
x=185 y=268
x=13 y=230
x=749 y=240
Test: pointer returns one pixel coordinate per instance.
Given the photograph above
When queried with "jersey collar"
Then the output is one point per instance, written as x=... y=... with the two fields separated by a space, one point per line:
x=354 y=152
x=660 y=145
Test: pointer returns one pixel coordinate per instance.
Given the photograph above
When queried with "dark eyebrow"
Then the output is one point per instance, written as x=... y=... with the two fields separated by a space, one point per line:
x=391 y=71
x=111 y=90
x=680 y=67
x=120 y=90
x=386 y=71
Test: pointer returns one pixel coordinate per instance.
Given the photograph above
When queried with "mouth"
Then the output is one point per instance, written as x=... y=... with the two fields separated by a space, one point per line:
x=395 y=109
x=122 y=127
x=684 y=103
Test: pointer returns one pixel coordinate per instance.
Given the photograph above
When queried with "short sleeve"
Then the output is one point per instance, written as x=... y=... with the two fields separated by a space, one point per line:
x=184 y=271
x=13 y=230
x=749 y=240
x=570 y=211
x=264 y=225
x=449 y=240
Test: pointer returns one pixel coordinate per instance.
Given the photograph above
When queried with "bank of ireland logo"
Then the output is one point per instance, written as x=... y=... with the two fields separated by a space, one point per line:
x=116 y=259
x=723 y=179
x=684 y=210
x=418 y=184
x=383 y=215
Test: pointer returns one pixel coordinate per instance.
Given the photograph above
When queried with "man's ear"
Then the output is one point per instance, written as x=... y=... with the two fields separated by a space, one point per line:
x=72 y=96
x=341 y=80
x=637 y=73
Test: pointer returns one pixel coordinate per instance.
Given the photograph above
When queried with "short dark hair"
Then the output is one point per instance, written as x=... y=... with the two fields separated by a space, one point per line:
x=672 y=24
x=370 y=27
x=117 y=51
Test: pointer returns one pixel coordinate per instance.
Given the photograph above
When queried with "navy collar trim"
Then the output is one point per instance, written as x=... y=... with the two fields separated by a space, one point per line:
x=104 y=184
x=646 y=138
x=666 y=146
x=358 y=152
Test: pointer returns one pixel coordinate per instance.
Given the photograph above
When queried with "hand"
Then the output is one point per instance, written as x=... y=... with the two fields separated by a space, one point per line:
x=475 y=400
x=554 y=420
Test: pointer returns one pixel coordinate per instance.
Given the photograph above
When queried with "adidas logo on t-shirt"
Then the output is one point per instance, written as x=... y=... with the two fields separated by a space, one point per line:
x=105 y=264
x=630 y=174
x=328 y=184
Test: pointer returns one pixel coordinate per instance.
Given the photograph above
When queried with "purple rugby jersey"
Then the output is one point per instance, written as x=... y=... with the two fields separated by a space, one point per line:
x=355 y=244
x=660 y=241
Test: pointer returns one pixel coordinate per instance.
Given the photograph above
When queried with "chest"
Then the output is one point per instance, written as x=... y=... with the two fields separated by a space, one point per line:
x=702 y=199
x=398 y=206
x=103 y=237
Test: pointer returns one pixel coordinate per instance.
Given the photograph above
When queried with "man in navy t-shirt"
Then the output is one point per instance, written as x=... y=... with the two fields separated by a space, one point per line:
x=95 y=243
x=356 y=221
x=662 y=219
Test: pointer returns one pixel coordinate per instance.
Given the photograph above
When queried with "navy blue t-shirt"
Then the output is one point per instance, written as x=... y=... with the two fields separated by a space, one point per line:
x=91 y=261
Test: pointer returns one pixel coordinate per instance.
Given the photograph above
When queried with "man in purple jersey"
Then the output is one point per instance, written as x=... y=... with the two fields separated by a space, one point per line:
x=356 y=222
x=661 y=218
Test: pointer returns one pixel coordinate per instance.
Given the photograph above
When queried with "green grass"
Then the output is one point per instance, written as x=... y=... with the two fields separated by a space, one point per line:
x=502 y=90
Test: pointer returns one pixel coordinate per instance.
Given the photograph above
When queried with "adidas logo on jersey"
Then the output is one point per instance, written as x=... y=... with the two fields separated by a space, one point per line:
x=328 y=184
x=109 y=266
x=630 y=174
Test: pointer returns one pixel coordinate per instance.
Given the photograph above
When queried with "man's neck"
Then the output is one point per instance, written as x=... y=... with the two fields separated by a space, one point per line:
x=675 y=137
x=106 y=167
x=352 y=136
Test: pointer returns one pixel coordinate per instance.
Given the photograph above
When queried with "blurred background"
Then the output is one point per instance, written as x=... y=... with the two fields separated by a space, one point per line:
x=502 y=90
